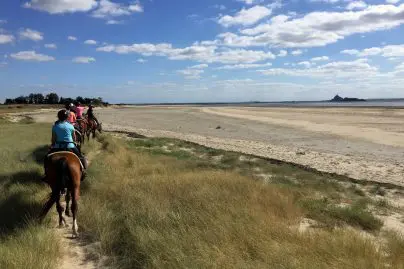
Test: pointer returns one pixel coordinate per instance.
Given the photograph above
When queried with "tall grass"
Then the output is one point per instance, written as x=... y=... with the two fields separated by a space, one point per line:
x=22 y=243
x=151 y=211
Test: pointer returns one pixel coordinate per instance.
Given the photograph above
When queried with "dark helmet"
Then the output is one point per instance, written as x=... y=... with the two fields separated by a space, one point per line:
x=63 y=114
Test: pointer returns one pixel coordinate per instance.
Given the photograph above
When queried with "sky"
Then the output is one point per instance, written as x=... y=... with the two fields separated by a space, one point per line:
x=150 y=51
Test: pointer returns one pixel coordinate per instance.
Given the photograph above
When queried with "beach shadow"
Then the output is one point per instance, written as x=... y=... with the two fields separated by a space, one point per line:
x=17 y=212
x=18 y=205
x=23 y=178
x=39 y=154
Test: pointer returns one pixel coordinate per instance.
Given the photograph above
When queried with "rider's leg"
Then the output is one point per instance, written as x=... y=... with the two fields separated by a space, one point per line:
x=45 y=163
x=81 y=157
x=96 y=120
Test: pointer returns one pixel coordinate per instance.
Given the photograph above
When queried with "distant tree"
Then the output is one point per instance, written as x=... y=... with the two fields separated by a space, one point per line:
x=39 y=98
x=52 y=98
x=9 y=101
x=80 y=99
x=98 y=101
x=31 y=98
x=22 y=100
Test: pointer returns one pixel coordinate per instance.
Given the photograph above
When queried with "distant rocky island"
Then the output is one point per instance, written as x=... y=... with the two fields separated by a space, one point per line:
x=338 y=98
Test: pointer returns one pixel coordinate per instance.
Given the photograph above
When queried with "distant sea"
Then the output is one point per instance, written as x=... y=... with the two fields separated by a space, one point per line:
x=393 y=103
x=397 y=103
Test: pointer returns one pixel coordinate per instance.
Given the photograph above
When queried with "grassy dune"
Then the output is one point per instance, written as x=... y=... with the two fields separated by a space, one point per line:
x=23 y=244
x=162 y=203
x=158 y=208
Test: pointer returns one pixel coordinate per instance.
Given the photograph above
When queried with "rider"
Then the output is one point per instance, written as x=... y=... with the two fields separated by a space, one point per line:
x=71 y=114
x=90 y=114
x=79 y=110
x=63 y=138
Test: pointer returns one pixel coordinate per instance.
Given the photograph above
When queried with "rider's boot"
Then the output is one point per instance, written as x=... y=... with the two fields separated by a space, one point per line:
x=85 y=165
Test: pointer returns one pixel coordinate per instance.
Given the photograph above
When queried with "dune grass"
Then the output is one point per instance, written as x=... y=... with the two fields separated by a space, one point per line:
x=152 y=207
x=24 y=244
x=320 y=195
x=150 y=211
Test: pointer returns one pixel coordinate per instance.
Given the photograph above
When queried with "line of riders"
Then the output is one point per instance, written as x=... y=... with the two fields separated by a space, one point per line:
x=69 y=130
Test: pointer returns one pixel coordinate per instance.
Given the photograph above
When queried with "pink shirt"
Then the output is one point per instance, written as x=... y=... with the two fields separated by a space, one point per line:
x=79 y=111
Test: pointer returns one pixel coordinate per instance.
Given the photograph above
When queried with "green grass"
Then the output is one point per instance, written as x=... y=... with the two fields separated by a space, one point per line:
x=150 y=203
x=23 y=244
x=306 y=185
x=332 y=215
x=150 y=211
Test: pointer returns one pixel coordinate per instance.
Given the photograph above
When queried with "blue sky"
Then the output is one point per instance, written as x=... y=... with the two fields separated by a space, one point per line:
x=202 y=51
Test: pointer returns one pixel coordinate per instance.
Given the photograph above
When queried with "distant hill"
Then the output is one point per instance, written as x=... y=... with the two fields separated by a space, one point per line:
x=338 y=98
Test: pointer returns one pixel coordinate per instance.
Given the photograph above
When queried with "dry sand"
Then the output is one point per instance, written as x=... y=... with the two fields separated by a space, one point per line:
x=362 y=143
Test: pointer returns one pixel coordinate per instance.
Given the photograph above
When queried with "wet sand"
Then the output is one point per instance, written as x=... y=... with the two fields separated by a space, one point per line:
x=362 y=143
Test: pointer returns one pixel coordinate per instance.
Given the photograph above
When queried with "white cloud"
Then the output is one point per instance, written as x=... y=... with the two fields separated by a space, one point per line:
x=4 y=39
x=114 y=22
x=243 y=66
x=392 y=1
x=282 y=53
x=356 y=5
x=72 y=38
x=306 y=64
x=31 y=35
x=50 y=46
x=31 y=56
x=319 y=59
x=386 y=51
x=350 y=52
x=90 y=42
x=355 y=69
x=297 y=52
x=61 y=6
x=108 y=10
x=199 y=66
x=191 y=73
x=206 y=54
x=136 y=8
x=245 y=17
x=250 y=2
x=83 y=60
x=220 y=7
x=321 y=28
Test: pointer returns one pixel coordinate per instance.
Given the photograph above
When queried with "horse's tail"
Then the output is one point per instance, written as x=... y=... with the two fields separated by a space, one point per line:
x=63 y=175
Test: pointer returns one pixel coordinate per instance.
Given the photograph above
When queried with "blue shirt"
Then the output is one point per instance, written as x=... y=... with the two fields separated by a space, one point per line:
x=63 y=132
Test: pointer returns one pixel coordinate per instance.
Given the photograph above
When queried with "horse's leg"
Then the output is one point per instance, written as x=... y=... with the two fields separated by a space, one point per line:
x=75 y=198
x=60 y=209
x=68 y=197
x=93 y=133
x=48 y=205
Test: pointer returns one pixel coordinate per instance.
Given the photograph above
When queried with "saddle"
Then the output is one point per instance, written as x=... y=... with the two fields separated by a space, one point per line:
x=63 y=151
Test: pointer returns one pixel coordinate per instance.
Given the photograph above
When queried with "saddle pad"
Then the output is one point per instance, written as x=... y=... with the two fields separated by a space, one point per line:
x=67 y=152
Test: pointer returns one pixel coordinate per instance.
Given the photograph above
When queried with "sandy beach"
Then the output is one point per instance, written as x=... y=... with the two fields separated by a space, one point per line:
x=362 y=143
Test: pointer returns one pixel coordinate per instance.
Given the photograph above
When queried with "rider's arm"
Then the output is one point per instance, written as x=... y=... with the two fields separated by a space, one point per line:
x=74 y=135
x=53 y=138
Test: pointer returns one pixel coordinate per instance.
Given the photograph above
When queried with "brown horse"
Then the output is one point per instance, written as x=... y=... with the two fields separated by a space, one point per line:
x=83 y=125
x=92 y=127
x=79 y=138
x=63 y=171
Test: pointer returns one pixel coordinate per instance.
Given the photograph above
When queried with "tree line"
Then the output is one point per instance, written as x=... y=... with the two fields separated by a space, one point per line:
x=52 y=98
